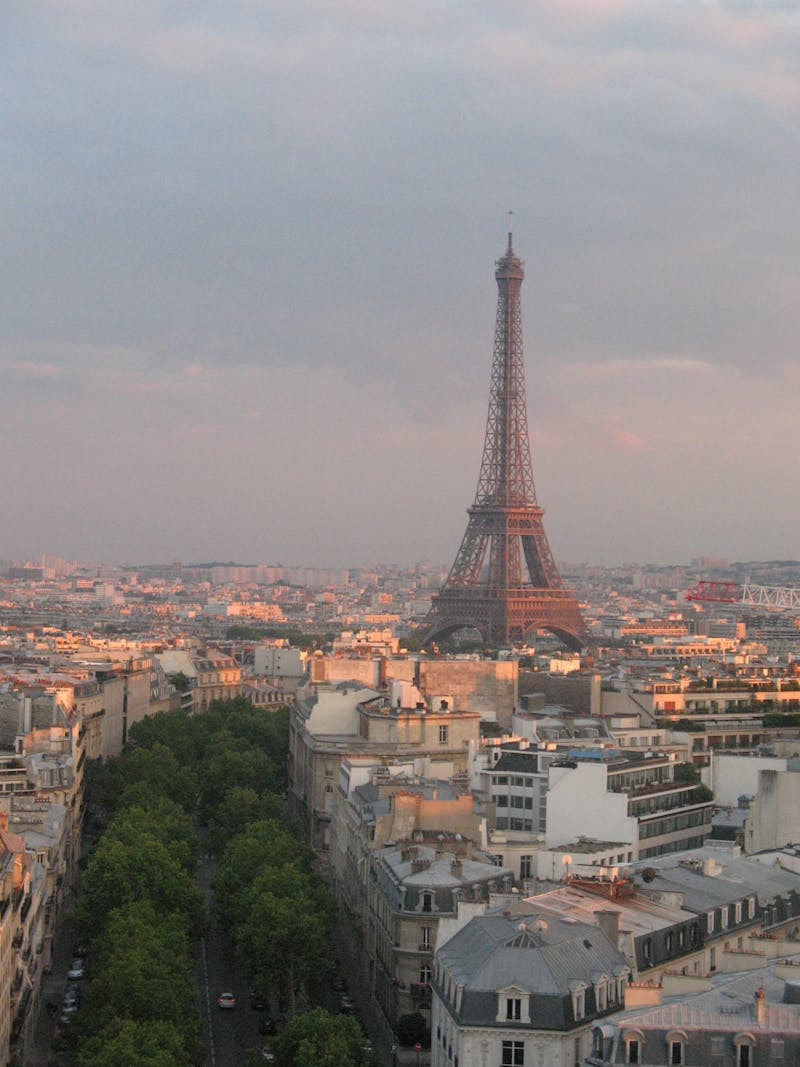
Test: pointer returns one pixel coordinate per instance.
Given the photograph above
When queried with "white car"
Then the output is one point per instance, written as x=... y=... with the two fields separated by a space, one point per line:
x=75 y=971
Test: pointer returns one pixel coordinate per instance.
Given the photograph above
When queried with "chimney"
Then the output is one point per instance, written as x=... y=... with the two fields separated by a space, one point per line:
x=608 y=921
x=760 y=1006
x=456 y=868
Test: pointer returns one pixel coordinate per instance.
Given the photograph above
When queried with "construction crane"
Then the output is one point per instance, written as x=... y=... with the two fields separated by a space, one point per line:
x=765 y=597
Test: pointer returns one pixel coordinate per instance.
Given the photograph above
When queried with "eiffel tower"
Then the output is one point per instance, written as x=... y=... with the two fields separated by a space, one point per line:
x=504 y=581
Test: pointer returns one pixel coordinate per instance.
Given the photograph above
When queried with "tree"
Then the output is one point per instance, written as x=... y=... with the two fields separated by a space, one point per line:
x=285 y=937
x=686 y=772
x=123 y=1041
x=181 y=682
x=239 y=807
x=160 y=816
x=263 y=844
x=131 y=864
x=318 y=1039
x=411 y=1029
x=143 y=972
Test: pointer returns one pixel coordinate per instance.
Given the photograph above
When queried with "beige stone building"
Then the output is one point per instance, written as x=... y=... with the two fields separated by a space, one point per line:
x=330 y=723
x=406 y=850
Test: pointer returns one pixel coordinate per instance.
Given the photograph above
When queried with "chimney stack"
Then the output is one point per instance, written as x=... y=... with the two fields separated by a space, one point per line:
x=608 y=921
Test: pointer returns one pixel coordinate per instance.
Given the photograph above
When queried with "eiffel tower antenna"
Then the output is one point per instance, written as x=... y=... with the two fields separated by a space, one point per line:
x=504 y=581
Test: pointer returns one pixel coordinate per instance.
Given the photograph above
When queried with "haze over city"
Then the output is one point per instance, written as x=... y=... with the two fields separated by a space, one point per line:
x=248 y=298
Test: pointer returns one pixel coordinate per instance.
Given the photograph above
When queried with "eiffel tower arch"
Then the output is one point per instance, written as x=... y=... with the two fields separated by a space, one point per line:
x=504 y=581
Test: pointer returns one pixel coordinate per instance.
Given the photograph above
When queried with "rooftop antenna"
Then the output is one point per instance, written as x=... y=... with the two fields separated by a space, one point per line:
x=510 y=228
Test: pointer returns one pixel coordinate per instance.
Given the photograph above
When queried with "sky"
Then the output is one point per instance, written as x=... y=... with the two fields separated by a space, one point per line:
x=247 y=297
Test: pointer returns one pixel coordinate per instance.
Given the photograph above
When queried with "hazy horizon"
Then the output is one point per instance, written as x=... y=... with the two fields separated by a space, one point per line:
x=248 y=292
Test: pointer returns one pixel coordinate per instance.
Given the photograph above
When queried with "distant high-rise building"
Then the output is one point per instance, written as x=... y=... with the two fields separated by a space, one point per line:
x=504 y=581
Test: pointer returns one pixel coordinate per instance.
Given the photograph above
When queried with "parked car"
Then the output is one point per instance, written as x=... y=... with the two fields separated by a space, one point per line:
x=76 y=970
x=258 y=1002
x=346 y=1004
x=226 y=1001
x=72 y=994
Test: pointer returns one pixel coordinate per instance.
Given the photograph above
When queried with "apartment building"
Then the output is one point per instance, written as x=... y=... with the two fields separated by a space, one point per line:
x=522 y=989
x=625 y=797
x=330 y=723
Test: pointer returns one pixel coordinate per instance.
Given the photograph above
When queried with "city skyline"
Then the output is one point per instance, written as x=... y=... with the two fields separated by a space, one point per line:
x=248 y=294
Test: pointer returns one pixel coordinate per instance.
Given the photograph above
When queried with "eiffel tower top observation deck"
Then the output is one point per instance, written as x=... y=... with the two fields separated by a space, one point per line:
x=504 y=581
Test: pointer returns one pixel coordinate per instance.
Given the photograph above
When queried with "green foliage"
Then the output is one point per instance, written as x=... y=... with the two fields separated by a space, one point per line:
x=231 y=764
x=318 y=1039
x=180 y=681
x=133 y=863
x=155 y=768
x=686 y=772
x=239 y=807
x=123 y=1041
x=260 y=845
x=701 y=793
x=781 y=719
x=143 y=972
x=412 y=1028
x=285 y=937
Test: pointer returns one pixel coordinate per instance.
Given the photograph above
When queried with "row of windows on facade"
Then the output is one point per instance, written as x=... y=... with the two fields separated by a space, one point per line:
x=608 y=991
x=670 y=824
x=680 y=844
x=502 y=823
x=740 y=909
x=744 y=1049
x=504 y=801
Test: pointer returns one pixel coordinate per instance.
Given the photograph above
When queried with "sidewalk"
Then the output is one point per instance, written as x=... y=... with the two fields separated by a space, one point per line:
x=53 y=986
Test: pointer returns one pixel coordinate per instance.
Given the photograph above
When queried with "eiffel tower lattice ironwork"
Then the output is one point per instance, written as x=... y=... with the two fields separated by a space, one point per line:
x=505 y=582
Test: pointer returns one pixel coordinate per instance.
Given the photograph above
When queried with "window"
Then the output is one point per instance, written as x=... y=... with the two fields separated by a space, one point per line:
x=579 y=1003
x=425 y=937
x=738 y=911
x=633 y=1050
x=647 y=950
x=513 y=1009
x=427 y=901
x=724 y=916
x=751 y=908
x=776 y=1049
x=710 y=916
x=676 y=1053
x=443 y=731
x=425 y=974
x=525 y=863
x=744 y=1056
x=513 y=1054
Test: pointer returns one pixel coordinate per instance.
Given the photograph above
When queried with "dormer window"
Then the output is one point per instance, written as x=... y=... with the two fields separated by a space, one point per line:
x=579 y=1000
x=427 y=901
x=513 y=1005
x=676 y=1048
x=634 y=1047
